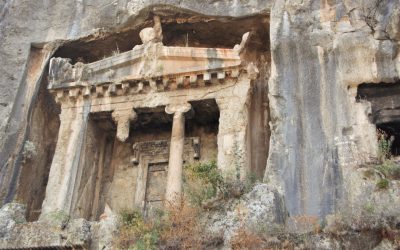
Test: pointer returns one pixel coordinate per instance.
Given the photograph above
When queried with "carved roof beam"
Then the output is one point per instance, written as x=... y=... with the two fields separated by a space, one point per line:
x=166 y=83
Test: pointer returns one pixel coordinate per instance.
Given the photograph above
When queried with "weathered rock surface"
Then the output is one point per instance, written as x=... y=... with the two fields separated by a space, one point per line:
x=262 y=207
x=39 y=234
x=10 y=215
x=321 y=51
x=56 y=231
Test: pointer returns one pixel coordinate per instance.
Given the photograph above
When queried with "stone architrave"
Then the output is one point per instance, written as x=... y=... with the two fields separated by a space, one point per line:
x=175 y=165
x=123 y=119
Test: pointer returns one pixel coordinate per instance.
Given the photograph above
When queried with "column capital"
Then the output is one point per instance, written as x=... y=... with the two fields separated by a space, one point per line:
x=123 y=119
x=178 y=108
x=128 y=113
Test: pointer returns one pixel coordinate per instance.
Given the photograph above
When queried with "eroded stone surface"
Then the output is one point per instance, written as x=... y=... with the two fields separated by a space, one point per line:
x=316 y=62
x=261 y=209
x=18 y=233
x=57 y=231
x=10 y=215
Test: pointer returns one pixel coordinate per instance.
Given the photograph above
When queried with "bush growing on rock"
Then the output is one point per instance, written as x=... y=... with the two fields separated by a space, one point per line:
x=382 y=184
x=204 y=182
x=137 y=233
x=176 y=227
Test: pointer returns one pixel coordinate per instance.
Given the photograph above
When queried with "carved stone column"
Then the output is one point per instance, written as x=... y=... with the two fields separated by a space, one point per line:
x=123 y=119
x=64 y=171
x=175 y=165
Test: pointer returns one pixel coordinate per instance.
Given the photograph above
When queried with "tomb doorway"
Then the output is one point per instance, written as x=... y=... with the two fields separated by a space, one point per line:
x=385 y=110
x=155 y=189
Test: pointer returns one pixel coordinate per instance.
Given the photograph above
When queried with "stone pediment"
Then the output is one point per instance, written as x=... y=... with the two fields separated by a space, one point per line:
x=147 y=67
x=160 y=67
x=144 y=62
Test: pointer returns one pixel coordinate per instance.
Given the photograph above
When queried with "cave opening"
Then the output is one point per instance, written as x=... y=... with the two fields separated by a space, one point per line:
x=183 y=31
x=385 y=110
x=391 y=132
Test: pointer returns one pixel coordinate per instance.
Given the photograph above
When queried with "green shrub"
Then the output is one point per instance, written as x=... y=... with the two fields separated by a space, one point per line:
x=251 y=179
x=203 y=181
x=383 y=184
x=137 y=233
x=369 y=208
x=58 y=217
x=389 y=169
x=209 y=174
x=148 y=241
x=384 y=146
x=369 y=173
x=130 y=218
x=395 y=172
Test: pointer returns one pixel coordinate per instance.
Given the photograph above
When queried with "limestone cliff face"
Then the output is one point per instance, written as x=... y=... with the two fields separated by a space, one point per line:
x=320 y=52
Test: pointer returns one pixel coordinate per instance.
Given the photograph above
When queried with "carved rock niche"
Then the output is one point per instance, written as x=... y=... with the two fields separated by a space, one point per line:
x=111 y=94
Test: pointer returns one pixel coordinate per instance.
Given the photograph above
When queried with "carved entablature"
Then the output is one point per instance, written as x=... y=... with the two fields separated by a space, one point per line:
x=152 y=149
x=150 y=67
x=62 y=71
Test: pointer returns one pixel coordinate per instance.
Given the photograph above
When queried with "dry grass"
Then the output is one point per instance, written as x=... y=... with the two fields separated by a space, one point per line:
x=308 y=222
x=182 y=229
x=245 y=239
x=137 y=233
x=177 y=227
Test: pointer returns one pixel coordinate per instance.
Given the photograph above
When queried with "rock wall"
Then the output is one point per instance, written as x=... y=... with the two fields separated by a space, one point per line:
x=320 y=52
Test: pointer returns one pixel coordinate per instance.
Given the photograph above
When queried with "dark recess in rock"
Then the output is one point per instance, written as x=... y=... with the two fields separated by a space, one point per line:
x=385 y=107
x=200 y=32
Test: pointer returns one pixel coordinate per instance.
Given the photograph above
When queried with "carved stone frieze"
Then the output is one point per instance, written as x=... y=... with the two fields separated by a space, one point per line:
x=167 y=83
x=152 y=148
x=61 y=71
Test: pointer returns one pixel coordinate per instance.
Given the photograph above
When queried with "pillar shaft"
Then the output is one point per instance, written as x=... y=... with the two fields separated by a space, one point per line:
x=175 y=165
x=64 y=168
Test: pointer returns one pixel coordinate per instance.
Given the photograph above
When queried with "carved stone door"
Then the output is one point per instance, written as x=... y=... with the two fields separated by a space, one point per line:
x=151 y=158
x=155 y=189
